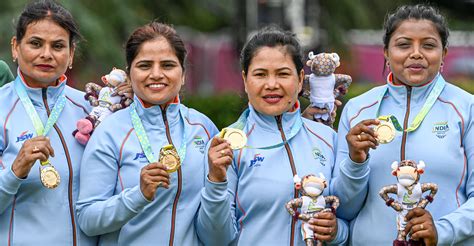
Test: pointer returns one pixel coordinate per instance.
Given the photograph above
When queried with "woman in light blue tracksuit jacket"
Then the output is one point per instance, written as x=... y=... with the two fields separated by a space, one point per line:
x=415 y=46
x=243 y=202
x=31 y=214
x=125 y=197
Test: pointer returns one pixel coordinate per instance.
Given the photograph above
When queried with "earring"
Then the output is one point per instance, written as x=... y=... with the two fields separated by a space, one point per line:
x=441 y=67
x=70 y=67
x=14 y=59
x=388 y=64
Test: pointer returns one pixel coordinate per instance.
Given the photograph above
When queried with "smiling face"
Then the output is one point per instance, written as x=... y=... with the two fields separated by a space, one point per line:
x=156 y=73
x=272 y=82
x=44 y=53
x=415 y=52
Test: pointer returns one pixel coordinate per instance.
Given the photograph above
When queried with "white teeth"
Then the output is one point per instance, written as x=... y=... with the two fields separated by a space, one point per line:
x=156 y=85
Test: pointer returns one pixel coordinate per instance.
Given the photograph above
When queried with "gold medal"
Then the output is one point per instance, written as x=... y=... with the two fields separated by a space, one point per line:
x=385 y=132
x=170 y=158
x=236 y=137
x=49 y=176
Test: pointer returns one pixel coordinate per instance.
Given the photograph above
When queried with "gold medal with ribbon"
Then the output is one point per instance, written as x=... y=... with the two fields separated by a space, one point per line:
x=49 y=175
x=389 y=124
x=170 y=158
x=385 y=130
x=236 y=137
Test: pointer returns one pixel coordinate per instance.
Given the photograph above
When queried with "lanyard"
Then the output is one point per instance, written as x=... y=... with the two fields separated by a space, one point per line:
x=30 y=110
x=143 y=138
x=434 y=94
x=242 y=121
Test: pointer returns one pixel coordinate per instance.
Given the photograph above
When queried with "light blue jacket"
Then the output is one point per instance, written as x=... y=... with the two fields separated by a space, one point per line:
x=249 y=209
x=110 y=201
x=31 y=214
x=444 y=141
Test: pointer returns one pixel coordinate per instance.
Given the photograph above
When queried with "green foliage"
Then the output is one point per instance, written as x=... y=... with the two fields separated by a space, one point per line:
x=223 y=109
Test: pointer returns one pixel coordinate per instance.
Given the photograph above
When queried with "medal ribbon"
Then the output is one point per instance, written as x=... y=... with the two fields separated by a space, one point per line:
x=143 y=138
x=30 y=110
x=434 y=94
x=242 y=121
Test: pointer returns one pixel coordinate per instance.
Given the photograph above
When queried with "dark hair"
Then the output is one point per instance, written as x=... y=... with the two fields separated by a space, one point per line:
x=47 y=9
x=417 y=12
x=271 y=36
x=149 y=32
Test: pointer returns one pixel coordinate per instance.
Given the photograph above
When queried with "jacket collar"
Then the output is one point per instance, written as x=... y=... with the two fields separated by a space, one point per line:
x=269 y=122
x=152 y=117
x=36 y=94
x=418 y=94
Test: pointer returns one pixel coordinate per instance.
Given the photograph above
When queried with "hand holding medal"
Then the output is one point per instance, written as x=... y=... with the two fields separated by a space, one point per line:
x=220 y=157
x=37 y=148
x=153 y=176
x=361 y=138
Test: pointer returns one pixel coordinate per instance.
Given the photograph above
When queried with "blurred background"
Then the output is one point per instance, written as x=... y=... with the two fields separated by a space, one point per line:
x=215 y=30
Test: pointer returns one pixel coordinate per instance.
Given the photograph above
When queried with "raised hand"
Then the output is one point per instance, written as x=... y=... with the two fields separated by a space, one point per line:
x=220 y=157
x=360 y=139
x=152 y=176
x=37 y=148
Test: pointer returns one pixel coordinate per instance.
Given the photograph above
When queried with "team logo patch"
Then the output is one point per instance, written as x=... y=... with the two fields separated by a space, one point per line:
x=257 y=160
x=24 y=136
x=141 y=157
x=440 y=129
x=318 y=155
x=199 y=143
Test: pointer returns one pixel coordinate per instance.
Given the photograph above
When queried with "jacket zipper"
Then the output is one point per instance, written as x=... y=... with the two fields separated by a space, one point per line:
x=405 y=124
x=178 y=192
x=293 y=170
x=69 y=164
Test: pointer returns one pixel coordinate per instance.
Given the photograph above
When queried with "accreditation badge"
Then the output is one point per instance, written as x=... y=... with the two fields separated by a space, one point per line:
x=236 y=137
x=385 y=132
x=170 y=158
x=49 y=175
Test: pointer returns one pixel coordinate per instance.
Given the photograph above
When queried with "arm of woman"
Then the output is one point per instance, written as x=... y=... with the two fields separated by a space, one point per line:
x=99 y=210
x=9 y=182
x=458 y=225
x=350 y=177
x=216 y=221
x=11 y=177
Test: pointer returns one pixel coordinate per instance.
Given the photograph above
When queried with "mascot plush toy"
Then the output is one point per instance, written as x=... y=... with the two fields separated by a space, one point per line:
x=409 y=194
x=322 y=86
x=104 y=102
x=310 y=203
